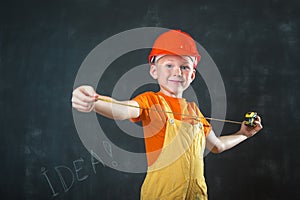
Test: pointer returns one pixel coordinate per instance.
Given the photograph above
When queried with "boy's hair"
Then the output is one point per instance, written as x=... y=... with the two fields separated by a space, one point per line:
x=174 y=42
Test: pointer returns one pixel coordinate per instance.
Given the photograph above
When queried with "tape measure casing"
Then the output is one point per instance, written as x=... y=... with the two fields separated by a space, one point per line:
x=250 y=118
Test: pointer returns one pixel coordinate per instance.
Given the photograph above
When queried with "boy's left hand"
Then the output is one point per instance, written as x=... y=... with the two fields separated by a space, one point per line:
x=250 y=131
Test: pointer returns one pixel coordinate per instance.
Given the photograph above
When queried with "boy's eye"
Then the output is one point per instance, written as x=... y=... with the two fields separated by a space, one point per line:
x=169 y=66
x=185 y=67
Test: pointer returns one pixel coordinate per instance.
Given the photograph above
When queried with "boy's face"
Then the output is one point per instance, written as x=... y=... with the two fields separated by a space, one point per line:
x=173 y=73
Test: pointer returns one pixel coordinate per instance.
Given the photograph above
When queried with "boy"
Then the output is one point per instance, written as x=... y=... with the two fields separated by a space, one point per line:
x=175 y=130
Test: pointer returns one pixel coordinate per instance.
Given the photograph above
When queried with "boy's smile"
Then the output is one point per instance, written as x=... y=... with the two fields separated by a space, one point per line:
x=173 y=73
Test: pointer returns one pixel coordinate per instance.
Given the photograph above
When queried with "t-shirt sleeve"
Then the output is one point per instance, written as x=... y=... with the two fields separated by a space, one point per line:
x=206 y=125
x=143 y=102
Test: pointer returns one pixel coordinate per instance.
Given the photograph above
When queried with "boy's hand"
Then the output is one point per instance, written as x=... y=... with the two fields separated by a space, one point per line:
x=84 y=98
x=250 y=131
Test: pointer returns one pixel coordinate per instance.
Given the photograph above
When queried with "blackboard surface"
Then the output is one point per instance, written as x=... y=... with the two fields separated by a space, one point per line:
x=255 y=45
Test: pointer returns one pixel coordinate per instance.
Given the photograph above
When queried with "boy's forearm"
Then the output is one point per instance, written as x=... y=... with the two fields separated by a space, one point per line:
x=229 y=141
x=112 y=110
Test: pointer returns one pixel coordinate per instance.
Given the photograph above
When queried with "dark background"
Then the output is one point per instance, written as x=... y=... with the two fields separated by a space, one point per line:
x=255 y=45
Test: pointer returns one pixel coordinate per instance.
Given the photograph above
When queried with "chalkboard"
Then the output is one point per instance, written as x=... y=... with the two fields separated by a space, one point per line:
x=255 y=45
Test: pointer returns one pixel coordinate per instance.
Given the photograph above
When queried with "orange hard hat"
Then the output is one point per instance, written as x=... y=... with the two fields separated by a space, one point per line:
x=174 y=42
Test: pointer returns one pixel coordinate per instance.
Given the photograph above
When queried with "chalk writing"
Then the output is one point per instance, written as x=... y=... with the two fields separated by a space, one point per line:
x=108 y=149
x=44 y=172
x=95 y=161
x=62 y=179
x=68 y=175
x=77 y=169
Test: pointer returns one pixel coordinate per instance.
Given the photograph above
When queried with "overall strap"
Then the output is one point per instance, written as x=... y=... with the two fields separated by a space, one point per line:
x=166 y=107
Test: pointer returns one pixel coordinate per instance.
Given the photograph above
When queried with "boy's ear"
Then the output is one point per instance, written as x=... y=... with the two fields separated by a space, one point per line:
x=193 y=75
x=153 y=71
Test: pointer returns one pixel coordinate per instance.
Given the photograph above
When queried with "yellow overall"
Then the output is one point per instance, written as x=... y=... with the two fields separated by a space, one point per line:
x=178 y=171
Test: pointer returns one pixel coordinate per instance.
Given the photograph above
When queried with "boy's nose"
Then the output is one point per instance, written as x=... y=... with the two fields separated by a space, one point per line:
x=177 y=71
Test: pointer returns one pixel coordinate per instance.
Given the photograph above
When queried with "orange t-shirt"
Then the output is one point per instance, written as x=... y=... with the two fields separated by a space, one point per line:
x=153 y=119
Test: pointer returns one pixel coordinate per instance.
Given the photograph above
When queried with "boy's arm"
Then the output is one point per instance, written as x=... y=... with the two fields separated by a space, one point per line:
x=85 y=99
x=222 y=143
x=117 y=110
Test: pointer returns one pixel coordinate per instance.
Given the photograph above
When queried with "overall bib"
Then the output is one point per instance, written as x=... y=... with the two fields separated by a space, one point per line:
x=178 y=171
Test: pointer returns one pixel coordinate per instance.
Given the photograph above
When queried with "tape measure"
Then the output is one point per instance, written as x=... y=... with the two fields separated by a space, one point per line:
x=250 y=118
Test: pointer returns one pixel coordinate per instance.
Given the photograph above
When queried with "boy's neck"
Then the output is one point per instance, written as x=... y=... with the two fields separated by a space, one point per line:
x=170 y=95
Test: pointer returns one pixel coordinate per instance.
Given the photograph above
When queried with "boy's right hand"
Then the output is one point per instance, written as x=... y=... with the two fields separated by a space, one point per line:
x=84 y=98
